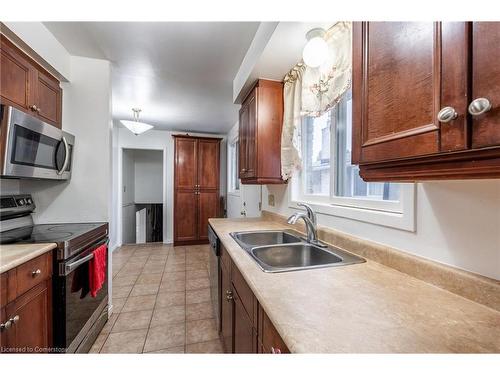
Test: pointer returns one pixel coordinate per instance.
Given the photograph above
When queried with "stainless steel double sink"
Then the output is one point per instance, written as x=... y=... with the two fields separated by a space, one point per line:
x=282 y=251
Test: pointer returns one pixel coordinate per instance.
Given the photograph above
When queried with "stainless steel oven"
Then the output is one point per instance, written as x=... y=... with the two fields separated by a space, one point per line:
x=33 y=148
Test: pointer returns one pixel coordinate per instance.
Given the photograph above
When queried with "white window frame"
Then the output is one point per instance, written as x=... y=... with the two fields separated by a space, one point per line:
x=396 y=214
x=231 y=163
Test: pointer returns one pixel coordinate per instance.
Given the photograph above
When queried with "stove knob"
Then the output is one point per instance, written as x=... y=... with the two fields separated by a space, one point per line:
x=21 y=202
x=29 y=201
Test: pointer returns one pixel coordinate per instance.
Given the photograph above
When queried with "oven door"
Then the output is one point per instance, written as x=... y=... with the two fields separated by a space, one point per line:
x=75 y=311
x=34 y=148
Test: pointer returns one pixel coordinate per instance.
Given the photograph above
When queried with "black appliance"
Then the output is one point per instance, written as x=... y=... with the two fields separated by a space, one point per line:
x=214 y=274
x=77 y=317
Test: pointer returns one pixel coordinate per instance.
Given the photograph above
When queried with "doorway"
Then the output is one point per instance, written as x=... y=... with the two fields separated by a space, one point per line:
x=142 y=196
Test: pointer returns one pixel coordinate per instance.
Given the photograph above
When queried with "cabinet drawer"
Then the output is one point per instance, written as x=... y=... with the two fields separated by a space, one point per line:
x=244 y=292
x=271 y=339
x=33 y=272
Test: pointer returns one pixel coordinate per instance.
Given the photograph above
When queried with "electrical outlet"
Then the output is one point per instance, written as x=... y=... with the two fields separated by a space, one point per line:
x=270 y=200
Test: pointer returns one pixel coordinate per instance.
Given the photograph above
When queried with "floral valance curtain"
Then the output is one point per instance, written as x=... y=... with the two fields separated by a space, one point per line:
x=323 y=87
x=290 y=136
x=313 y=91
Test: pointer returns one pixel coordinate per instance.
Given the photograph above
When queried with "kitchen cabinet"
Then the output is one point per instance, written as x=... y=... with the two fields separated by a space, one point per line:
x=26 y=307
x=27 y=86
x=197 y=187
x=413 y=83
x=245 y=326
x=260 y=124
x=227 y=308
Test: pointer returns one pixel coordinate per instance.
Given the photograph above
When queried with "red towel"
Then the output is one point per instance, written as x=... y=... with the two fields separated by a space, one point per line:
x=97 y=270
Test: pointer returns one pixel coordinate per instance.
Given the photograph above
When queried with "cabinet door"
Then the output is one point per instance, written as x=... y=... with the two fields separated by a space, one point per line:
x=15 y=77
x=31 y=311
x=486 y=82
x=396 y=90
x=49 y=99
x=208 y=164
x=208 y=207
x=242 y=139
x=251 y=137
x=186 y=203
x=226 y=309
x=185 y=163
x=243 y=329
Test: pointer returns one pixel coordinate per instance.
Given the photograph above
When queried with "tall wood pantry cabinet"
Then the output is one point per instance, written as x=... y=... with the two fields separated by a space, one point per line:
x=426 y=100
x=196 y=187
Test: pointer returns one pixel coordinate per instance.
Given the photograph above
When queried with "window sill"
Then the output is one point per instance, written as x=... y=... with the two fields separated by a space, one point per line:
x=404 y=219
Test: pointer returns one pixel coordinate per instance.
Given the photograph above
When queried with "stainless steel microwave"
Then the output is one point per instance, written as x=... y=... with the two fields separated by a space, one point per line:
x=33 y=148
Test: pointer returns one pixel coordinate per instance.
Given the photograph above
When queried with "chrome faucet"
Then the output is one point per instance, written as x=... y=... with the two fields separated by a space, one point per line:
x=310 y=221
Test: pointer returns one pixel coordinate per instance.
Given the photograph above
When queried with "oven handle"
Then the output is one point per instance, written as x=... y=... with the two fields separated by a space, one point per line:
x=68 y=268
x=66 y=156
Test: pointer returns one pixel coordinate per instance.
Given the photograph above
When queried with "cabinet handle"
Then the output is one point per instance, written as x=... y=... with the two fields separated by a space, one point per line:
x=479 y=106
x=33 y=107
x=5 y=326
x=275 y=350
x=14 y=320
x=36 y=273
x=447 y=114
x=229 y=295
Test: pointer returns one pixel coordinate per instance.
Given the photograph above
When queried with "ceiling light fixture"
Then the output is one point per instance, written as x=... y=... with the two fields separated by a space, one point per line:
x=316 y=49
x=135 y=126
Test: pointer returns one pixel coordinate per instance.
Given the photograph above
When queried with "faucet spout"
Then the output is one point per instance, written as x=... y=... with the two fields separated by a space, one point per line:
x=310 y=221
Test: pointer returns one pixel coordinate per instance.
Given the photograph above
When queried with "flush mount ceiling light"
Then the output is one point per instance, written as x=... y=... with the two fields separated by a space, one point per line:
x=135 y=126
x=316 y=49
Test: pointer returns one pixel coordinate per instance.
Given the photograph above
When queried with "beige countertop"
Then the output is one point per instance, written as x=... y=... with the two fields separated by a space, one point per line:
x=362 y=308
x=13 y=255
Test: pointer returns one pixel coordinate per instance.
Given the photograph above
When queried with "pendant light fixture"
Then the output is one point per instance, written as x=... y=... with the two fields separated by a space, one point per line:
x=315 y=51
x=135 y=126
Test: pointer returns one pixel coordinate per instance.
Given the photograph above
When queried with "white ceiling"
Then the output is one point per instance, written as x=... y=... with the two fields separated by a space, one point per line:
x=179 y=73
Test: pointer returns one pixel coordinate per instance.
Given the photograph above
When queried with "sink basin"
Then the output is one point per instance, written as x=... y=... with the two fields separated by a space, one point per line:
x=249 y=240
x=293 y=256
x=282 y=251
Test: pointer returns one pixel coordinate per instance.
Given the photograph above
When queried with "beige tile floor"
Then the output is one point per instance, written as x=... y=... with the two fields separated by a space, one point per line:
x=161 y=302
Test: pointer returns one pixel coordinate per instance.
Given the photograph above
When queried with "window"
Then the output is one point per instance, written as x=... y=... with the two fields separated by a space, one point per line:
x=329 y=180
x=234 y=181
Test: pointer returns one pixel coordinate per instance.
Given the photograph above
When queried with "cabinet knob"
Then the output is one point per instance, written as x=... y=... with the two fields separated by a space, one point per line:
x=479 y=106
x=36 y=273
x=275 y=350
x=447 y=114
x=229 y=295
x=14 y=320
x=33 y=107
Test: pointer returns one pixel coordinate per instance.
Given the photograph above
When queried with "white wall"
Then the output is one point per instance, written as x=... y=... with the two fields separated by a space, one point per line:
x=458 y=223
x=247 y=198
x=9 y=186
x=86 y=115
x=148 y=176
x=154 y=140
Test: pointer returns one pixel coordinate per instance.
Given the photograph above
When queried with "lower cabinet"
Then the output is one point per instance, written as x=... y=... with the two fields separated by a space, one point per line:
x=245 y=326
x=26 y=315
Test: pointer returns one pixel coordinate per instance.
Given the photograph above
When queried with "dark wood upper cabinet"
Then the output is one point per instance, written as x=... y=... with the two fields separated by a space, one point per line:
x=260 y=124
x=27 y=86
x=196 y=185
x=404 y=75
x=486 y=82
